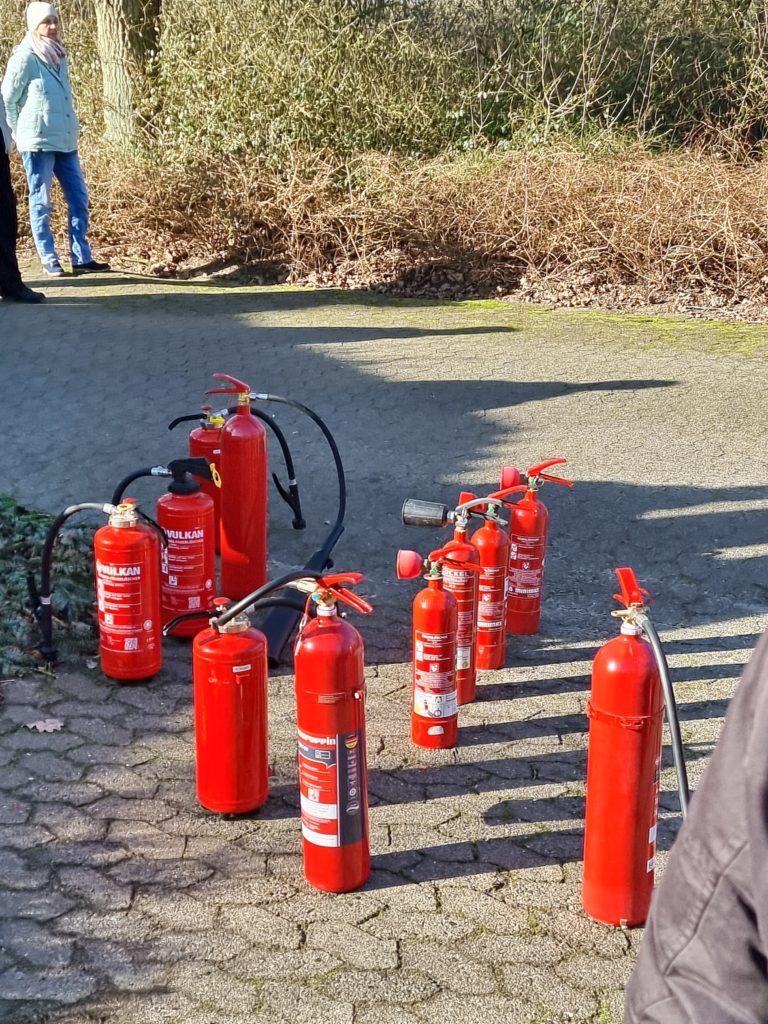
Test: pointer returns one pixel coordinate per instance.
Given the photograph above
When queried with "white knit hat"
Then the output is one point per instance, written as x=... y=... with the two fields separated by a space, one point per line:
x=37 y=12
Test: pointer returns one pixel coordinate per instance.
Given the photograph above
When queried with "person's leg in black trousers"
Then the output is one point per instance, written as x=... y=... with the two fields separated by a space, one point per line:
x=11 y=285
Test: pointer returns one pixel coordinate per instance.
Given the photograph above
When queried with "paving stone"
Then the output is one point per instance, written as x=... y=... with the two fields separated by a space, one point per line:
x=204 y=824
x=394 y=924
x=305 y=907
x=176 y=912
x=353 y=945
x=229 y=859
x=68 y=823
x=383 y=1014
x=40 y=906
x=117 y=780
x=595 y=973
x=378 y=986
x=486 y=1009
x=35 y=944
x=149 y=1008
x=13 y=811
x=213 y=987
x=485 y=910
x=129 y=927
x=285 y=865
x=69 y=985
x=47 y=767
x=41 y=742
x=67 y=709
x=123 y=809
x=92 y=855
x=76 y=794
x=583 y=934
x=98 y=754
x=123 y=967
x=256 y=965
x=16 y=873
x=520 y=947
x=95 y=888
x=215 y=946
x=535 y=984
x=13 y=779
x=448 y=967
x=296 y=1004
x=145 y=840
x=86 y=690
x=107 y=732
x=23 y=837
x=174 y=873
x=262 y=927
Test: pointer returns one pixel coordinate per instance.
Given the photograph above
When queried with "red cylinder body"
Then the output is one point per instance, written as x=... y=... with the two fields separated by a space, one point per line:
x=623 y=764
x=463 y=584
x=205 y=442
x=333 y=778
x=243 y=504
x=493 y=548
x=434 y=718
x=127 y=564
x=230 y=685
x=525 y=574
x=188 y=563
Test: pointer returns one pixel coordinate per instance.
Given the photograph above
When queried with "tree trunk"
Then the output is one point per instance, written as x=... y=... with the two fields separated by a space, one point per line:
x=126 y=32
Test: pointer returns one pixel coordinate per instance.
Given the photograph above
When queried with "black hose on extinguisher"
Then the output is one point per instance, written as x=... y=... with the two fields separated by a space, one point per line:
x=280 y=623
x=670 y=704
x=41 y=599
x=119 y=491
x=266 y=602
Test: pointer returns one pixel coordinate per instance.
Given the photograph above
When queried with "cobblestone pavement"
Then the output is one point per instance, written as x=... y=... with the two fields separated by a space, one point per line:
x=122 y=901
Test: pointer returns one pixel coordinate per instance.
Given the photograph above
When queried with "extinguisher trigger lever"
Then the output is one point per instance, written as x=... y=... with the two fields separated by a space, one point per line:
x=632 y=594
x=536 y=474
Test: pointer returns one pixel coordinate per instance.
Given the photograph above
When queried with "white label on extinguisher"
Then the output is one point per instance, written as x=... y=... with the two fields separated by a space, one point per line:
x=651 y=865
x=652 y=834
x=238 y=669
x=461 y=583
x=119 y=605
x=526 y=565
x=434 y=675
x=490 y=607
x=331 y=778
x=183 y=570
x=463 y=657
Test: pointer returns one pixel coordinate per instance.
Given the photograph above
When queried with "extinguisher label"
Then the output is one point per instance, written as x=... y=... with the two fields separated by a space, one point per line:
x=184 y=581
x=463 y=657
x=526 y=565
x=331 y=770
x=461 y=583
x=434 y=675
x=119 y=592
x=490 y=608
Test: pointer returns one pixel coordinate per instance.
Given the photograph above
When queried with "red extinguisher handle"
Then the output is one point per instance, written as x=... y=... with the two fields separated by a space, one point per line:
x=631 y=591
x=239 y=387
x=537 y=470
x=334 y=582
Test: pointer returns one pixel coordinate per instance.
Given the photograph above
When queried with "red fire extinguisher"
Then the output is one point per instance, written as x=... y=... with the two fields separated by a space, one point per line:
x=492 y=544
x=188 y=564
x=625 y=712
x=463 y=584
x=229 y=669
x=434 y=716
x=330 y=716
x=528 y=524
x=205 y=443
x=127 y=562
x=243 y=467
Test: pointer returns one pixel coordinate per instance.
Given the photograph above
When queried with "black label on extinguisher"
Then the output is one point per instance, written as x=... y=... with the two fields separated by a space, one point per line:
x=331 y=780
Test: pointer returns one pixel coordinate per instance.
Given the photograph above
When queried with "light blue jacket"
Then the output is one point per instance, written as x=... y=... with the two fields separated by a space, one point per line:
x=38 y=103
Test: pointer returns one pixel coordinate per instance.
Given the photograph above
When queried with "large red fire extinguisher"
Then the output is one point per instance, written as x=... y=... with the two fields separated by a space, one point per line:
x=243 y=468
x=205 y=443
x=229 y=669
x=188 y=564
x=330 y=717
x=625 y=710
x=434 y=714
x=127 y=565
x=127 y=562
x=528 y=525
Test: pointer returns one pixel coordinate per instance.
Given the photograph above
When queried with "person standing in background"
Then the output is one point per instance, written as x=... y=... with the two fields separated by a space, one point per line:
x=40 y=111
x=12 y=288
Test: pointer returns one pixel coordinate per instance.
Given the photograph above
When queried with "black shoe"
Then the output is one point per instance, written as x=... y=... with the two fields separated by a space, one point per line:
x=23 y=294
x=92 y=267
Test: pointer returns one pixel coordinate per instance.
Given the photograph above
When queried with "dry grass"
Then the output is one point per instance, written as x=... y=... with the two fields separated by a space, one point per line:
x=557 y=223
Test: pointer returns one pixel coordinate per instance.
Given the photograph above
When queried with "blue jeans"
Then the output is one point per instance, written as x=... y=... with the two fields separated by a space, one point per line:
x=40 y=168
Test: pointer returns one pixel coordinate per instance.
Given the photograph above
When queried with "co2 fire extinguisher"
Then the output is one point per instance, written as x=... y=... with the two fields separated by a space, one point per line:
x=528 y=525
x=243 y=463
x=188 y=564
x=630 y=687
x=330 y=716
x=434 y=714
x=127 y=565
x=492 y=545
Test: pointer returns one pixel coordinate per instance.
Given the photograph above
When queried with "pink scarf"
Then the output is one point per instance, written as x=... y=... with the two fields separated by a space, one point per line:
x=48 y=50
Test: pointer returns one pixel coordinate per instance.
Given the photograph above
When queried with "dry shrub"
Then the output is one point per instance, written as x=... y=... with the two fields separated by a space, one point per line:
x=470 y=224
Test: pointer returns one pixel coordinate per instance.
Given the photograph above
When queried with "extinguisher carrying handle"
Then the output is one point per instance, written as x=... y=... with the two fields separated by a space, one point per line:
x=535 y=473
x=335 y=583
x=444 y=556
x=631 y=591
x=239 y=387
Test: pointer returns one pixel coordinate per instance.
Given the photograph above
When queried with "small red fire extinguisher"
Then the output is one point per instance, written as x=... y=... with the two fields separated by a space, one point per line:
x=492 y=546
x=243 y=468
x=229 y=669
x=330 y=717
x=188 y=564
x=127 y=563
x=463 y=584
x=528 y=524
x=434 y=716
x=205 y=443
x=630 y=685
